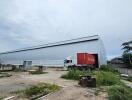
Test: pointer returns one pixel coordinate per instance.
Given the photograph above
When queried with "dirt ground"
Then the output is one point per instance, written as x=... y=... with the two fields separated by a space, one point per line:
x=75 y=93
x=70 y=90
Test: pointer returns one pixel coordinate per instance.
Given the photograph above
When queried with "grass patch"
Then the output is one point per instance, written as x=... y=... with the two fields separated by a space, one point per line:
x=2 y=75
x=38 y=72
x=75 y=74
x=129 y=78
x=119 y=92
x=100 y=90
x=103 y=78
x=39 y=90
x=1 y=98
x=108 y=68
x=106 y=78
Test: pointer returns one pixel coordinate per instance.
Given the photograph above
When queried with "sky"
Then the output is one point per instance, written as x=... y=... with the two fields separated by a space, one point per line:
x=25 y=23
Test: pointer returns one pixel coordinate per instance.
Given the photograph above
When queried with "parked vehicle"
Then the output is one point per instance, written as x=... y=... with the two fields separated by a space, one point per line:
x=83 y=61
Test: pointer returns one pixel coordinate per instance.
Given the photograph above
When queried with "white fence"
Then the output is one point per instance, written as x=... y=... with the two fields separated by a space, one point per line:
x=124 y=70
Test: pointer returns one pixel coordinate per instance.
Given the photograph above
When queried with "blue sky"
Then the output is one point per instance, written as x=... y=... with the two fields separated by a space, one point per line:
x=26 y=23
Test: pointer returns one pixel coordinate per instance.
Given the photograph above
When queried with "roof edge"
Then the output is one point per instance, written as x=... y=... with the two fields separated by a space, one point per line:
x=70 y=41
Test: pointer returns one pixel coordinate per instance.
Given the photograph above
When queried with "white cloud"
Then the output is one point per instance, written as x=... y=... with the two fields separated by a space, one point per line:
x=31 y=22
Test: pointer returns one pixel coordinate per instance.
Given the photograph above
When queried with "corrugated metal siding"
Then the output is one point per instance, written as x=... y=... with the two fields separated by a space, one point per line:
x=55 y=55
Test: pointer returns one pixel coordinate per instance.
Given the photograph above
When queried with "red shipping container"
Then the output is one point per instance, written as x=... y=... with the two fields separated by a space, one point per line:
x=85 y=59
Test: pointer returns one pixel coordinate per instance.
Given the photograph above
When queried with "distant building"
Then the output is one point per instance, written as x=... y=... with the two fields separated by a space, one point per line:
x=117 y=60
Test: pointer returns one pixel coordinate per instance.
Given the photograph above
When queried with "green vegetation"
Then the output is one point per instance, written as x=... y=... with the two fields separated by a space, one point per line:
x=108 y=68
x=40 y=90
x=107 y=78
x=127 y=54
x=103 y=78
x=127 y=46
x=1 y=98
x=75 y=74
x=4 y=75
x=127 y=58
x=120 y=92
x=38 y=72
x=129 y=78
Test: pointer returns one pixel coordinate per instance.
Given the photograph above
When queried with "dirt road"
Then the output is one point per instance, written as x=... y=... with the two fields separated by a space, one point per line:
x=21 y=80
x=70 y=90
x=75 y=93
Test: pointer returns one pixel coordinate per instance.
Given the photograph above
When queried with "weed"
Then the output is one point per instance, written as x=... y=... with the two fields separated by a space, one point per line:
x=42 y=88
x=102 y=78
x=108 y=68
x=119 y=92
x=129 y=78
x=106 y=78
x=38 y=72
x=75 y=74
x=1 y=98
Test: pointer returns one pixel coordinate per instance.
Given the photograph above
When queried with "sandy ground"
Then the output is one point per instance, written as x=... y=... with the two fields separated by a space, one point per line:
x=70 y=90
x=75 y=93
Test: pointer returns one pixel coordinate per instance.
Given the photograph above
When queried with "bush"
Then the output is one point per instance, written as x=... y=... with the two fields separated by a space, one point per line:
x=103 y=78
x=106 y=78
x=1 y=98
x=127 y=57
x=34 y=90
x=129 y=78
x=75 y=74
x=119 y=92
x=108 y=68
x=42 y=88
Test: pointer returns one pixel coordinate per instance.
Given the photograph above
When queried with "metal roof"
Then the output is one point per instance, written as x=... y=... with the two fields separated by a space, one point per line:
x=71 y=41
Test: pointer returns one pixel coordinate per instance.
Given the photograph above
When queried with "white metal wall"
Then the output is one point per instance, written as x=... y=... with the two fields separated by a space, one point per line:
x=54 y=56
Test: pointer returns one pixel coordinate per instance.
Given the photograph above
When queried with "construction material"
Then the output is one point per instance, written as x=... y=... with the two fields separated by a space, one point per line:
x=87 y=81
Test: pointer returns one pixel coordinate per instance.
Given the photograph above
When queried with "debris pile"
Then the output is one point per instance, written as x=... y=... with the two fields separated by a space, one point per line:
x=87 y=81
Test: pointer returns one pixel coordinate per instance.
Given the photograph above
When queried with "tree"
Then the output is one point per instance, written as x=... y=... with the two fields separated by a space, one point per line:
x=127 y=58
x=127 y=47
x=127 y=54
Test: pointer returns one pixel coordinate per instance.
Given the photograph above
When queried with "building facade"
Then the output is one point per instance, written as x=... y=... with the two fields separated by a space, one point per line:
x=54 y=54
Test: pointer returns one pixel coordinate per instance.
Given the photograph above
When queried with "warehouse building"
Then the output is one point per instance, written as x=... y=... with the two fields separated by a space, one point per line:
x=54 y=54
